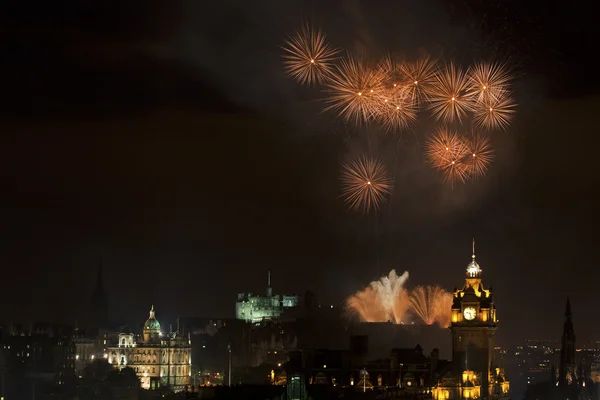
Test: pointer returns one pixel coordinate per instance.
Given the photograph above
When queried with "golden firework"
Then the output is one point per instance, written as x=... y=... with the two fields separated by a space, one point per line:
x=488 y=80
x=354 y=90
x=480 y=155
x=365 y=184
x=419 y=78
x=432 y=304
x=308 y=58
x=447 y=151
x=450 y=99
x=494 y=112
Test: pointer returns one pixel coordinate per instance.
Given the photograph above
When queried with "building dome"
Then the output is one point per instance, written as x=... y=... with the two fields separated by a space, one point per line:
x=152 y=325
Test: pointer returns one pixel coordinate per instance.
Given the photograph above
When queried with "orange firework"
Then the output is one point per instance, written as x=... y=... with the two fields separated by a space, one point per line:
x=480 y=155
x=450 y=98
x=447 y=151
x=308 y=58
x=353 y=90
x=384 y=300
x=367 y=306
x=494 y=112
x=365 y=184
x=394 y=109
x=420 y=77
x=488 y=80
x=432 y=304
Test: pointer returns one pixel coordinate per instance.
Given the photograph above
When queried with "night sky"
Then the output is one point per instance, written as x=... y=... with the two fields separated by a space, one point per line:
x=166 y=138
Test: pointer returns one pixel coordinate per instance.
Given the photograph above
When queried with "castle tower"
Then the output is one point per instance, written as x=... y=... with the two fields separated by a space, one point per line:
x=568 y=368
x=474 y=328
x=99 y=302
x=269 y=289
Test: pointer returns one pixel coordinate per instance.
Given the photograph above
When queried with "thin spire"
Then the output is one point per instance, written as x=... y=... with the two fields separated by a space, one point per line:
x=152 y=311
x=269 y=278
x=568 y=308
x=473 y=249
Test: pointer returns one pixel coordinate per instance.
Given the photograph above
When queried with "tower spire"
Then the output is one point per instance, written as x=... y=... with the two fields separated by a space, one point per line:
x=269 y=290
x=473 y=256
x=568 y=313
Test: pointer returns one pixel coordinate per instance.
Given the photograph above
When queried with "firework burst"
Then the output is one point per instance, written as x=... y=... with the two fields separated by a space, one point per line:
x=308 y=58
x=450 y=98
x=446 y=151
x=354 y=90
x=480 y=155
x=384 y=300
x=365 y=184
x=432 y=304
x=495 y=112
x=488 y=80
x=419 y=78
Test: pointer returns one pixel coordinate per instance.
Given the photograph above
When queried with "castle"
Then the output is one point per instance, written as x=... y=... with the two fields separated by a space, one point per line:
x=254 y=308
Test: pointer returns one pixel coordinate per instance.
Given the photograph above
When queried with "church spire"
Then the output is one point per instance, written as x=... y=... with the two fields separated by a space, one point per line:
x=568 y=309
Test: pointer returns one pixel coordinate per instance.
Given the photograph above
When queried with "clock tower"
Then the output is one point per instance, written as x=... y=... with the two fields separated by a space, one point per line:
x=474 y=329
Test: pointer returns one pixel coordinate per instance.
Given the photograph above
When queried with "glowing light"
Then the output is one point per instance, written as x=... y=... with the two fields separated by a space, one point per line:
x=308 y=58
x=432 y=304
x=365 y=184
x=450 y=98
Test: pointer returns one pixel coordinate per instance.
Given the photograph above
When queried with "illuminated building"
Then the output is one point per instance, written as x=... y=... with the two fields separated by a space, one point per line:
x=253 y=308
x=474 y=373
x=159 y=359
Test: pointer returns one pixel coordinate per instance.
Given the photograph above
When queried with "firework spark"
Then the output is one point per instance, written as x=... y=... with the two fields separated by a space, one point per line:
x=451 y=98
x=480 y=155
x=447 y=151
x=495 y=112
x=432 y=304
x=365 y=183
x=354 y=90
x=382 y=301
x=308 y=58
x=488 y=80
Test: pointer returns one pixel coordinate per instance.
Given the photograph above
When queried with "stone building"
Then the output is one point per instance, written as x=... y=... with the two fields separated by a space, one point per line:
x=255 y=308
x=473 y=372
x=160 y=360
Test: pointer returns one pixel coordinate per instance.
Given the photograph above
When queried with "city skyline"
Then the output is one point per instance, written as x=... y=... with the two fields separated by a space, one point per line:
x=192 y=176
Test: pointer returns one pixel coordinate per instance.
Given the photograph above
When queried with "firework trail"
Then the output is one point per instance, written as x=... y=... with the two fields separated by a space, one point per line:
x=308 y=58
x=432 y=304
x=365 y=184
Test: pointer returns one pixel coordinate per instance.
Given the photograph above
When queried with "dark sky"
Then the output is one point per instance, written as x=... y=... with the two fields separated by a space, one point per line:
x=165 y=137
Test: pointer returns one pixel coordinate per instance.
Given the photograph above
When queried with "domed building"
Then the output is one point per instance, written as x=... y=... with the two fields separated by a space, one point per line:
x=159 y=359
x=151 y=328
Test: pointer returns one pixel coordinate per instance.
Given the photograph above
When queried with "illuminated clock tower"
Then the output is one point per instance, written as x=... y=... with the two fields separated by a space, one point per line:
x=474 y=329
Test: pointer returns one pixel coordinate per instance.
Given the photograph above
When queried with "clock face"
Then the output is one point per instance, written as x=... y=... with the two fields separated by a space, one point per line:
x=469 y=313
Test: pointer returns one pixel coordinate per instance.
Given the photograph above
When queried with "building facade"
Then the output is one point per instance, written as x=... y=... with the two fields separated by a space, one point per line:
x=160 y=360
x=473 y=373
x=255 y=308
